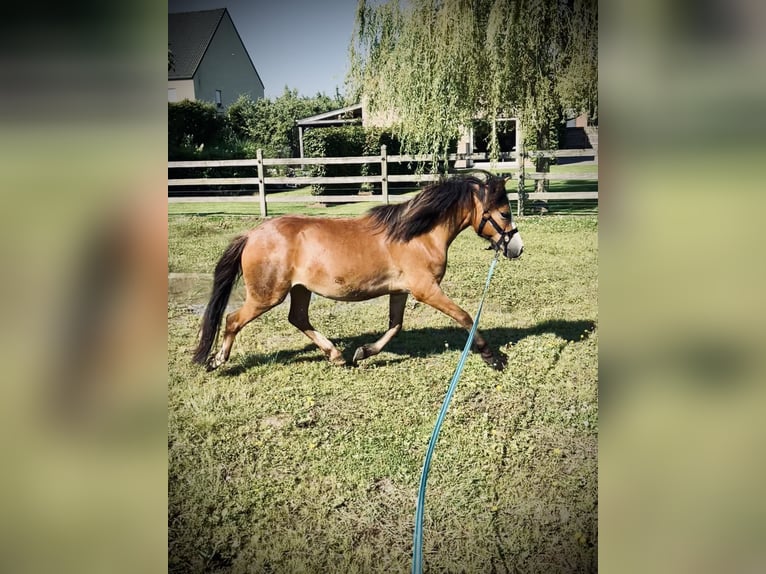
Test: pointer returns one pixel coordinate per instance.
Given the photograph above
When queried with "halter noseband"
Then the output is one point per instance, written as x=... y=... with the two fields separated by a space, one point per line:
x=505 y=236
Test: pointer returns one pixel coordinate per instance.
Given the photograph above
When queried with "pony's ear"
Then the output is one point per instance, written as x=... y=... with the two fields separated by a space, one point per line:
x=482 y=175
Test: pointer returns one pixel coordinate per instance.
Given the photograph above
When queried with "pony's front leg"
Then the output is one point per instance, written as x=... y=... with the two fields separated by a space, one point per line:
x=300 y=297
x=436 y=298
x=396 y=305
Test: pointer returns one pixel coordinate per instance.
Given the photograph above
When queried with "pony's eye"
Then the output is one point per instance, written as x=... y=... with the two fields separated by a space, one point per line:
x=505 y=215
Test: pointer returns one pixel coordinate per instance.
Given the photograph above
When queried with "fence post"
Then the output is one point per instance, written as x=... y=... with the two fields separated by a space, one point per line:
x=384 y=173
x=261 y=183
x=520 y=161
x=520 y=154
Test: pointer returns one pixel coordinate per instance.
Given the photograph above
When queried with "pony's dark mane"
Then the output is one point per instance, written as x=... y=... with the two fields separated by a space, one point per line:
x=437 y=203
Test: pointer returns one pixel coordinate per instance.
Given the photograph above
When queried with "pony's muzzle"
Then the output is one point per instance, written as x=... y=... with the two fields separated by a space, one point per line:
x=513 y=247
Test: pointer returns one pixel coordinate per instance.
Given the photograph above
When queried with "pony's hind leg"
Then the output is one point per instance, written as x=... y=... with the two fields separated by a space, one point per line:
x=396 y=305
x=235 y=321
x=300 y=297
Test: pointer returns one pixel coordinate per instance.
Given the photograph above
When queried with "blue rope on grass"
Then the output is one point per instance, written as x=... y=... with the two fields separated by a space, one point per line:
x=417 y=545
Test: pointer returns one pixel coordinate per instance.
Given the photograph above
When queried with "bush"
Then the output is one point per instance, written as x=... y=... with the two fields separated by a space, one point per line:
x=349 y=141
x=333 y=142
x=194 y=124
x=196 y=131
x=270 y=123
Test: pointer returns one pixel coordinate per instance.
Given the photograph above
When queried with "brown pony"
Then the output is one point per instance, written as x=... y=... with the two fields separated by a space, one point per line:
x=391 y=250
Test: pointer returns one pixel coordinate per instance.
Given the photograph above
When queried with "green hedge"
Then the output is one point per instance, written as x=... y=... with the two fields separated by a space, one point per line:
x=333 y=142
x=197 y=131
x=349 y=141
x=194 y=125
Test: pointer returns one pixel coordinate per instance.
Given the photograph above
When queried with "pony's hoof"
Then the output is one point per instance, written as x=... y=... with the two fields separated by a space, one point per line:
x=360 y=354
x=213 y=363
x=497 y=360
x=338 y=361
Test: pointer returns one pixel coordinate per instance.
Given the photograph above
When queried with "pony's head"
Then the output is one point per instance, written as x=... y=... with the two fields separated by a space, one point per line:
x=493 y=219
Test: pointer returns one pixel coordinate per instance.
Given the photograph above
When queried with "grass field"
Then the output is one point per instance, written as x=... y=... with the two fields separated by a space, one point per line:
x=281 y=462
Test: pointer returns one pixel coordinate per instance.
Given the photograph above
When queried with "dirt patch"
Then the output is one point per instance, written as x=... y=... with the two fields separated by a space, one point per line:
x=275 y=421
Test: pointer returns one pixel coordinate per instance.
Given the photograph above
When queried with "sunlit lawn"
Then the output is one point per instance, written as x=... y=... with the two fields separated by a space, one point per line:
x=281 y=462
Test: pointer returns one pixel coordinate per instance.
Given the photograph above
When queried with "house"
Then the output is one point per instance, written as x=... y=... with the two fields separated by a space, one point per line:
x=209 y=60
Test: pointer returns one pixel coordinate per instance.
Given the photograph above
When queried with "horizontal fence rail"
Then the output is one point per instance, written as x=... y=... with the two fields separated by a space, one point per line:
x=463 y=160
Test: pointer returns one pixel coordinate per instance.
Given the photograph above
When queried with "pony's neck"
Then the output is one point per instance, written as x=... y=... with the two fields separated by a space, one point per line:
x=473 y=217
x=451 y=227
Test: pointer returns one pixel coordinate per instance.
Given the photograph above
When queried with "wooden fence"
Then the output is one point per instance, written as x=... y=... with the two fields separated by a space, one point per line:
x=476 y=160
x=523 y=196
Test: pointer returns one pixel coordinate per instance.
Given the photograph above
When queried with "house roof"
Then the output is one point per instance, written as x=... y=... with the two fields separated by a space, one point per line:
x=189 y=35
x=349 y=114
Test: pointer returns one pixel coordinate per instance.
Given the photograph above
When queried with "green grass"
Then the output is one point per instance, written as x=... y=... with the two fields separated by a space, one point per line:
x=280 y=462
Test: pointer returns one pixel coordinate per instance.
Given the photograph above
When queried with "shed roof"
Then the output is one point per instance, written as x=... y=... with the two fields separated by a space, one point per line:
x=349 y=114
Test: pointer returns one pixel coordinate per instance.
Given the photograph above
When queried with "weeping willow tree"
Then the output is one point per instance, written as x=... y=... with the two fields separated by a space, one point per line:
x=430 y=67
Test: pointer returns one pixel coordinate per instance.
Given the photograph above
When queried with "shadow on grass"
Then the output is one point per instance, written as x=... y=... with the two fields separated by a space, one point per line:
x=307 y=354
x=419 y=343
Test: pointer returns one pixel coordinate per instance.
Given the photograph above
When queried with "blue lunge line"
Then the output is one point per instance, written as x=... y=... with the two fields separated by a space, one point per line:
x=417 y=545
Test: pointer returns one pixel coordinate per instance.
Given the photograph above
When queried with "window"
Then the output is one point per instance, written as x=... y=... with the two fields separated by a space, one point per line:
x=218 y=101
x=172 y=97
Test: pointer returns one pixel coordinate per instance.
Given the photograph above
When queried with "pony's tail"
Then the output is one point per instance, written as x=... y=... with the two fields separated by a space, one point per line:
x=227 y=271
